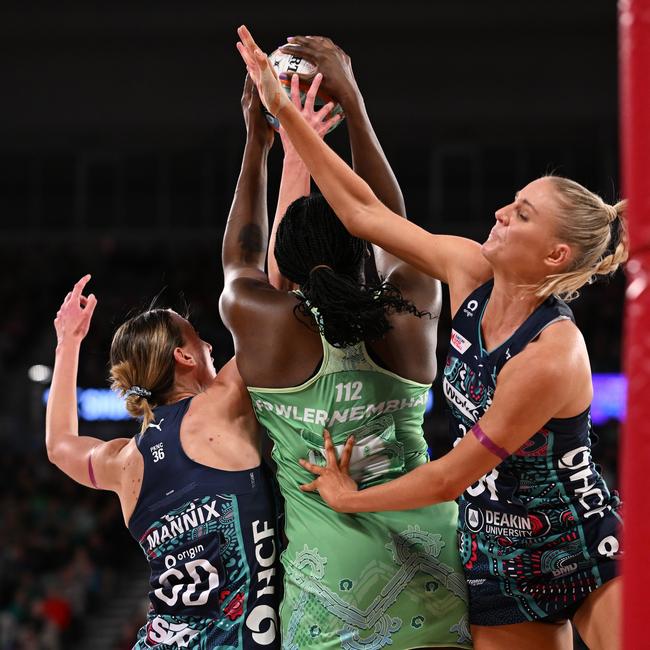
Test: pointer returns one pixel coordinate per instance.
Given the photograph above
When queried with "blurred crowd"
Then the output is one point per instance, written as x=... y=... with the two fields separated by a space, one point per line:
x=63 y=547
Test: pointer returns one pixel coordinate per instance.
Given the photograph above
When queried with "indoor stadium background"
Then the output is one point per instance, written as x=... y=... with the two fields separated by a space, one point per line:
x=120 y=142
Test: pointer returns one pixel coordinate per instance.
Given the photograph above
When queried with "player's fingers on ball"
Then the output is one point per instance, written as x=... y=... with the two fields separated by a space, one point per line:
x=325 y=110
x=296 y=51
x=292 y=48
x=332 y=122
x=303 y=41
x=295 y=91
x=300 y=51
x=312 y=92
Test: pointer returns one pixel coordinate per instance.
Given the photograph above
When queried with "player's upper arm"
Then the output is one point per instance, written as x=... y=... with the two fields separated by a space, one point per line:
x=457 y=261
x=249 y=300
x=241 y=286
x=532 y=388
x=91 y=461
x=110 y=462
x=421 y=289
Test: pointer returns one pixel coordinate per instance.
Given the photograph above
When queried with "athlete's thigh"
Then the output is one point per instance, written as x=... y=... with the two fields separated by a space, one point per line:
x=598 y=619
x=531 y=636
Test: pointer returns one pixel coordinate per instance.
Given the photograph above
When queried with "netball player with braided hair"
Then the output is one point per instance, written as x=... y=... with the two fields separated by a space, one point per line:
x=348 y=354
x=191 y=487
x=538 y=526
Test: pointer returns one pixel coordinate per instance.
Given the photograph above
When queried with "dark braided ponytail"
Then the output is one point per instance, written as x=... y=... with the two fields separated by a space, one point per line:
x=315 y=251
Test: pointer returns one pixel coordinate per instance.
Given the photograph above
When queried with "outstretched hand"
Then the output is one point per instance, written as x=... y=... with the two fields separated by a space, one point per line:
x=73 y=318
x=261 y=72
x=333 y=481
x=257 y=125
x=331 y=61
x=319 y=119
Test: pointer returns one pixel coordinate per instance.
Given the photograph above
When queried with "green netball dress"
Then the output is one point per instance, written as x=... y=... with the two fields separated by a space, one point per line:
x=368 y=580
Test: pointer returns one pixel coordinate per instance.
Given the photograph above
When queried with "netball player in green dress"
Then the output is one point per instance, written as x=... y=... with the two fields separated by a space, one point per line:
x=540 y=531
x=359 y=359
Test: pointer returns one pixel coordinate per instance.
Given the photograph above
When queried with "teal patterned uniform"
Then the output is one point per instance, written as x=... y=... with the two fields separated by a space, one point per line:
x=211 y=540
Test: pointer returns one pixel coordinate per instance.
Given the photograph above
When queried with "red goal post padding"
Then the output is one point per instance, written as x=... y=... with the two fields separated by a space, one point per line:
x=634 y=44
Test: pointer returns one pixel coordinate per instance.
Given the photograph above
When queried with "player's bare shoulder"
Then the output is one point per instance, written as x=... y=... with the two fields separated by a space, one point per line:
x=227 y=395
x=564 y=338
x=558 y=353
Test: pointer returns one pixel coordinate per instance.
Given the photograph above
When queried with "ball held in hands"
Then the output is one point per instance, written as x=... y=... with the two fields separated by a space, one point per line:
x=285 y=65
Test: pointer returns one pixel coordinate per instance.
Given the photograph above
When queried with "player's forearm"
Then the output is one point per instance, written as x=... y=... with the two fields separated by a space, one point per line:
x=246 y=233
x=368 y=158
x=61 y=420
x=423 y=486
x=350 y=197
x=295 y=182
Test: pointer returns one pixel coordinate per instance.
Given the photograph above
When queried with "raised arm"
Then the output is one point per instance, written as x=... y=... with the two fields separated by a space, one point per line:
x=89 y=461
x=246 y=233
x=248 y=298
x=296 y=181
x=368 y=159
x=444 y=257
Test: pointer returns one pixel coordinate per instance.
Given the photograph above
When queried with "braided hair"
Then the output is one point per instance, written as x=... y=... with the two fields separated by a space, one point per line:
x=315 y=251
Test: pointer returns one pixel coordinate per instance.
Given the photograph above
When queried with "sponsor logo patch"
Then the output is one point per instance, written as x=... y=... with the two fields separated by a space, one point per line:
x=459 y=342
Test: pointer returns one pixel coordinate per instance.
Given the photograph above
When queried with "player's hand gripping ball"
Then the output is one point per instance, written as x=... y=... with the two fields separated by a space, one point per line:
x=286 y=65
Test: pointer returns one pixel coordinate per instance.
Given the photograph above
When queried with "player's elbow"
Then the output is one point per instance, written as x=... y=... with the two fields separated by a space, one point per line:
x=452 y=491
x=447 y=491
x=357 y=220
x=226 y=304
x=447 y=487
x=54 y=453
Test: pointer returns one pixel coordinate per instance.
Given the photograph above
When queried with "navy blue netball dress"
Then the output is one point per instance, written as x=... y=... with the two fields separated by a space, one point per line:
x=212 y=541
x=539 y=532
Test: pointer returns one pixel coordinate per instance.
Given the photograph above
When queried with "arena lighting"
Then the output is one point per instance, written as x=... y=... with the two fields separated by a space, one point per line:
x=103 y=404
x=429 y=406
x=610 y=391
x=96 y=404
x=40 y=374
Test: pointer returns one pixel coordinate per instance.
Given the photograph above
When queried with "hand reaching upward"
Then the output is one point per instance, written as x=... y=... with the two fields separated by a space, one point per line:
x=318 y=119
x=261 y=72
x=256 y=124
x=331 y=61
x=73 y=318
